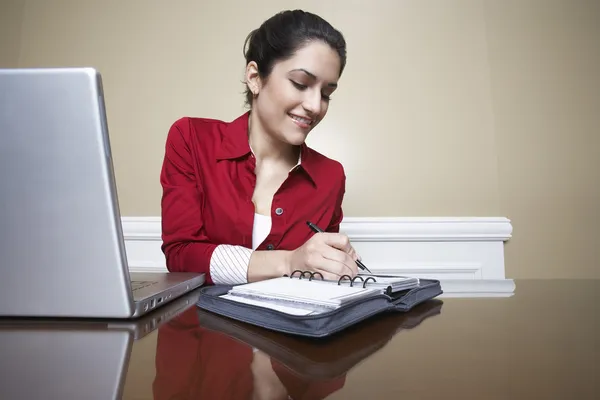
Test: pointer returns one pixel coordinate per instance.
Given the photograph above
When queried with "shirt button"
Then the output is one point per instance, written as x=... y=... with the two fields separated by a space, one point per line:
x=279 y=211
x=270 y=246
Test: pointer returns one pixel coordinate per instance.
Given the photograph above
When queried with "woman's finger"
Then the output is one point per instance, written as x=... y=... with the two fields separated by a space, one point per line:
x=337 y=240
x=339 y=263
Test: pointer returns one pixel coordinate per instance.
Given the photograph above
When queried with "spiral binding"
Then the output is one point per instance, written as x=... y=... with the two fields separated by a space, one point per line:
x=388 y=290
x=302 y=273
x=355 y=278
x=311 y=275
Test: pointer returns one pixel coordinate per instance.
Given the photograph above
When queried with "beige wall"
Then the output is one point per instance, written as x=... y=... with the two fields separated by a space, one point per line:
x=11 y=16
x=456 y=108
x=545 y=76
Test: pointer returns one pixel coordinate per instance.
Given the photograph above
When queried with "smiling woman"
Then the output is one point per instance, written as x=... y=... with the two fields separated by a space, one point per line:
x=237 y=195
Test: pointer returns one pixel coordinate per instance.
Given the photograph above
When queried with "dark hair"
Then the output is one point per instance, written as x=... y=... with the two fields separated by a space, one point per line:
x=281 y=35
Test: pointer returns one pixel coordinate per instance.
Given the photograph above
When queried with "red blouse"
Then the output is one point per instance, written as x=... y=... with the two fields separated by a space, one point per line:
x=208 y=180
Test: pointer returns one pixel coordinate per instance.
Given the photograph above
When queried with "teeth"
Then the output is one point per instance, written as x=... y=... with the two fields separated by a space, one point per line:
x=303 y=120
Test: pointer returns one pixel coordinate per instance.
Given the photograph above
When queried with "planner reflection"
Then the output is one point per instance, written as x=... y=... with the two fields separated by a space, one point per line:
x=203 y=354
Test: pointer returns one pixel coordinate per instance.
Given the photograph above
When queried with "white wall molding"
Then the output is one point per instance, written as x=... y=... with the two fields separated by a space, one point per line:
x=477 y=287
x=439 y=229
x=468 y=252
x=377 y=229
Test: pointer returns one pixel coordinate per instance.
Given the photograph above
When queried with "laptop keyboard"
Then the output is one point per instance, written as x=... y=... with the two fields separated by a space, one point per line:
x=137 y=285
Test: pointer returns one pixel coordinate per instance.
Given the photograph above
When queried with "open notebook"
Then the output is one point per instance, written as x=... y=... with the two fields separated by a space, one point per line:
x=308 y=294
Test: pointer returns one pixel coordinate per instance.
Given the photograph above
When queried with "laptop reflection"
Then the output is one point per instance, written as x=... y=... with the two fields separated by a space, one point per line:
x=74 y=358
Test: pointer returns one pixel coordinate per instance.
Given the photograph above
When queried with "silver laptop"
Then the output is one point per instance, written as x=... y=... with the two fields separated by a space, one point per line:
x=62 y=252
x=46 y=358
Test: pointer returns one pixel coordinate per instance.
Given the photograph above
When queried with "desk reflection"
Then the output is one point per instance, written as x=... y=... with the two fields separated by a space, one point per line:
x=203 y=355
x=197 y=355
x=74 y=359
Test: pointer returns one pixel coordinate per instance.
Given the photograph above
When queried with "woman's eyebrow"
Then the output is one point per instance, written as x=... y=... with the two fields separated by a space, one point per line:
x=313 y=76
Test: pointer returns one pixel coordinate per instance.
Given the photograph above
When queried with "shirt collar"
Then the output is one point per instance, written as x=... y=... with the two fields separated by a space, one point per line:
x=235 y=139
x=235 y=145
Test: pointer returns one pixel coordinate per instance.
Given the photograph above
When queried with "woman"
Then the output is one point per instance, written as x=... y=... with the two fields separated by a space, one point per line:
x=237 y=195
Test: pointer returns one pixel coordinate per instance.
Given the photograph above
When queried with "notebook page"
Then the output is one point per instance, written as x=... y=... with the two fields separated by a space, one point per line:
x=285 y=308
x=303 y=291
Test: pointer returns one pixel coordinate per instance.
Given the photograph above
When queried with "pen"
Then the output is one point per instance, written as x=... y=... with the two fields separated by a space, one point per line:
x=317 y=229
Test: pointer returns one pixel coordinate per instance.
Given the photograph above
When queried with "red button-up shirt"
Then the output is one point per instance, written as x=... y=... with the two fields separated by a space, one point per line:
x=208 y=181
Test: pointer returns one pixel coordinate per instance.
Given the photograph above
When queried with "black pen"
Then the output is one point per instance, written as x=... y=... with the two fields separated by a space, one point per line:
x=317 y=229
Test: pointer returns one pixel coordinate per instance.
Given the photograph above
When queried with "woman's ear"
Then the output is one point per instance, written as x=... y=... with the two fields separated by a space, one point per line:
x=253 y=78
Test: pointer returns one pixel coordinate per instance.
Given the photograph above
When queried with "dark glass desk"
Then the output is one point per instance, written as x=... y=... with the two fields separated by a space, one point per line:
x=541 y=343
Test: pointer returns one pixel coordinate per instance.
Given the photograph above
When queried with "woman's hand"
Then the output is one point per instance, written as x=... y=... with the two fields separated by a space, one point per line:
x=330 y=254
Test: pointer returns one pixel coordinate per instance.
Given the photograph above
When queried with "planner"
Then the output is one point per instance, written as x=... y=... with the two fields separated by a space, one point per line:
x=305 y=304
x=309 y=294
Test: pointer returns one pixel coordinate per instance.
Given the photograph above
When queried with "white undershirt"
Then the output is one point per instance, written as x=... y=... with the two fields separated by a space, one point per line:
x=260 y=229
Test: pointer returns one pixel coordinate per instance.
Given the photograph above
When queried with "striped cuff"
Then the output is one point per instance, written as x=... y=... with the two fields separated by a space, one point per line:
x=229 y=264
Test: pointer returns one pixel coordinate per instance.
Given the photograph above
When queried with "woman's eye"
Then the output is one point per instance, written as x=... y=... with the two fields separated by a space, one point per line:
x=298 y=85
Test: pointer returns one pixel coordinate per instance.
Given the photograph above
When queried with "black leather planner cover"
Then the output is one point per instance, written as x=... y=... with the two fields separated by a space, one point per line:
x=322 y=324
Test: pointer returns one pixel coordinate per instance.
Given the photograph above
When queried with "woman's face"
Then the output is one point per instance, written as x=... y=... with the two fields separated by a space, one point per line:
x=295 y=96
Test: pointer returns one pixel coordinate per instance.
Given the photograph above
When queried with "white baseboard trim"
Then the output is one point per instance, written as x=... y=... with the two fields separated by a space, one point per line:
x=466 y=254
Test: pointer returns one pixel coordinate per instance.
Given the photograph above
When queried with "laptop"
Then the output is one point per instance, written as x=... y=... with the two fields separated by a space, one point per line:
x=62 y=252
x=75 y=359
